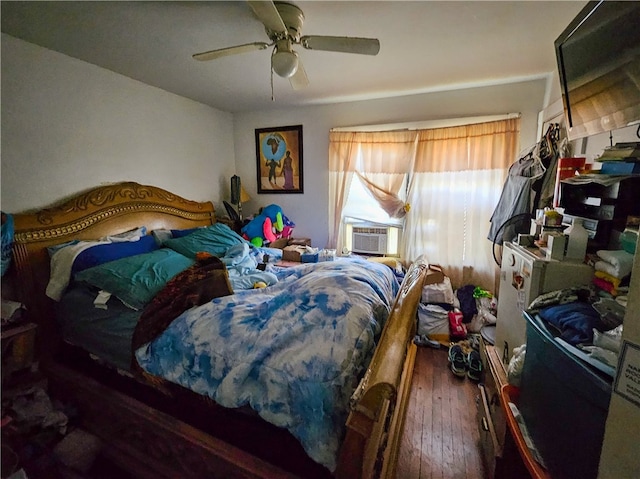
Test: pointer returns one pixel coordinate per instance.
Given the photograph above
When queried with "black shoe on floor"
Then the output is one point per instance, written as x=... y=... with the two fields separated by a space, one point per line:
x=456 y=358
x=423 y=340
x=474 y=365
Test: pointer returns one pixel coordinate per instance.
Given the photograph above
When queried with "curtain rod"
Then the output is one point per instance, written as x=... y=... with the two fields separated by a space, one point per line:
x=426 y=124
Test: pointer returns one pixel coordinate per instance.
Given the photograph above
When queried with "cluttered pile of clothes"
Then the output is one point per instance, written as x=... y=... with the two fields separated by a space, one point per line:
x=581 y=317
x=455 y=319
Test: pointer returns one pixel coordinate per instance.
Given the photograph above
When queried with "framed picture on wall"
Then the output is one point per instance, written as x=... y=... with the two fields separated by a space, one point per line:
x=279 y=159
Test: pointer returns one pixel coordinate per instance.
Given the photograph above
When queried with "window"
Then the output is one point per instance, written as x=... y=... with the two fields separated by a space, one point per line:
x=452 y=178
x=362 y=206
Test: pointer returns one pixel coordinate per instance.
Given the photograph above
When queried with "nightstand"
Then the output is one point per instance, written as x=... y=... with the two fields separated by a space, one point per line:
x=18 y=345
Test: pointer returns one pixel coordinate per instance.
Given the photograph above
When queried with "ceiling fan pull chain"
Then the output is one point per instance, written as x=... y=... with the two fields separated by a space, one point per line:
x=273 y=98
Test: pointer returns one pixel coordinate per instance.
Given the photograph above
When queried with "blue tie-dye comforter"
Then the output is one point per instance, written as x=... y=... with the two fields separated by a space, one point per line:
x=293 y=351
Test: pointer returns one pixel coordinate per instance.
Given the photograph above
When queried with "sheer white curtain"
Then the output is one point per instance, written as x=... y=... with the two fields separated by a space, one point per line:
x=456 y=182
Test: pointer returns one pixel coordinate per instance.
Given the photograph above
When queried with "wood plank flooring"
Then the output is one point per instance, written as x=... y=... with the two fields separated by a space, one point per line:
x=440 y=438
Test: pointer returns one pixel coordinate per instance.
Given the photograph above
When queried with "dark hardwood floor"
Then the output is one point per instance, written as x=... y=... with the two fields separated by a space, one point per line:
x=440 y=438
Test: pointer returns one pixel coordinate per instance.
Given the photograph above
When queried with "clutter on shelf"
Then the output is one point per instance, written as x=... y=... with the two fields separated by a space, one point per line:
x=620 y=159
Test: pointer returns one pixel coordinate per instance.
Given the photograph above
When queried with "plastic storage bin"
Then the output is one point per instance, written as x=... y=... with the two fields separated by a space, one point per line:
x=564 y=403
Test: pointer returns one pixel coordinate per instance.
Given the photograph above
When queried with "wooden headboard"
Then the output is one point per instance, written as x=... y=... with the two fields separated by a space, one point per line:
x=102 y=211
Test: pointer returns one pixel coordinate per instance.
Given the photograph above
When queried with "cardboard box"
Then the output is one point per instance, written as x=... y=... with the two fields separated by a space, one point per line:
x=556 y=244
x=280 y=243
x=293 y=253
x=434 y=275
x=299 y=242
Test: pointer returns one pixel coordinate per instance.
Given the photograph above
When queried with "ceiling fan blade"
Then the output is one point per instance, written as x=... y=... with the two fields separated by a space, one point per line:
x=299 y=79
x=268 y=14
x=365 y=46
x=223 y=52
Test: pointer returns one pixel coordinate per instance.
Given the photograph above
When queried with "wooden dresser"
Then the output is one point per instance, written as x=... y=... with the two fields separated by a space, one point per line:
x=501 y=457
x=491 y=418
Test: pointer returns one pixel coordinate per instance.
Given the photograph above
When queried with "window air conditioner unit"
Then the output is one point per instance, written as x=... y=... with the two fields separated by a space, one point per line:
x=371 y=240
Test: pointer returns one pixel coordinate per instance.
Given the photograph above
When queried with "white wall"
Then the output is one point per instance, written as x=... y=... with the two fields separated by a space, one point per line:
x=309 y=210
x=593 y=146
x=68 y=126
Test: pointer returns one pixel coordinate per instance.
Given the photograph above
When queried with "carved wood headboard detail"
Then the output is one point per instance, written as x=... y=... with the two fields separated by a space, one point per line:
x=102 y=211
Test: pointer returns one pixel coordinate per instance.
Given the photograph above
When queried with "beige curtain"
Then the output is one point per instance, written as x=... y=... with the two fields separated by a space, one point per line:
x=456 y=182
x=381 y=160
x=341 y=160
x=455 y=177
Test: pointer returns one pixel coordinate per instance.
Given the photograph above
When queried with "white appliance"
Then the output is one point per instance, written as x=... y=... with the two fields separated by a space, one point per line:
x=526 y=274
x=370 y=239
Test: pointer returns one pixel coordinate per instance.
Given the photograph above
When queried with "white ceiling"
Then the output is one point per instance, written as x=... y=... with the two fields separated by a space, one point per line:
x=425 y=45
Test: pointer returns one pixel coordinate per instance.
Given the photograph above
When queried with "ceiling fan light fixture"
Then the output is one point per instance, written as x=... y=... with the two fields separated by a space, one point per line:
x=285 y=63
x=283 y=21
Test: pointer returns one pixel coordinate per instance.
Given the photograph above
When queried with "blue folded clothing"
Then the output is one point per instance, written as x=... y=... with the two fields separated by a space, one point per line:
x=575 y=321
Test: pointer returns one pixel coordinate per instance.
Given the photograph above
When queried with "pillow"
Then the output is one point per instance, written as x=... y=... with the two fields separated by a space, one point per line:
x=55 y=248
x=63 y=257
x=181 y=233
x=215 y=239
x=135 y=280
x=161 y=235
x=104 y=253
x=390 y=262
x=131 y=235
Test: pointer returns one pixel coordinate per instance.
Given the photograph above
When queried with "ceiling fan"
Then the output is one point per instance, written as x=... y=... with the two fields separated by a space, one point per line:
x=283 y=24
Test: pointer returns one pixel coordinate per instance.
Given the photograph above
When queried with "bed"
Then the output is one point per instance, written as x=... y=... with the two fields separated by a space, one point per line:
x=155 y=418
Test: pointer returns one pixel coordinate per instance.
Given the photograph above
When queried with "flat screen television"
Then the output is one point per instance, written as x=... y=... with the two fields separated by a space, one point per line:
x=598 y=57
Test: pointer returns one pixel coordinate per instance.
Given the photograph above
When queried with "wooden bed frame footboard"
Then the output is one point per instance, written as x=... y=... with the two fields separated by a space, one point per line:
x=171 y=448
x=375 y=424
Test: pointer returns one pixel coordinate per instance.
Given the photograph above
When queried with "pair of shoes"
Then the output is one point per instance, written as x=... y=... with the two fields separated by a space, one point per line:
x=457 y=360
x=474 y=341
x=423 y=340
x=474 y=365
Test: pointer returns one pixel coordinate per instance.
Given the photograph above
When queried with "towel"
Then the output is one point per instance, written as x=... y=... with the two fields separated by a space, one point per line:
x=605 y=285
x=607 y=277
x=617 y=263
